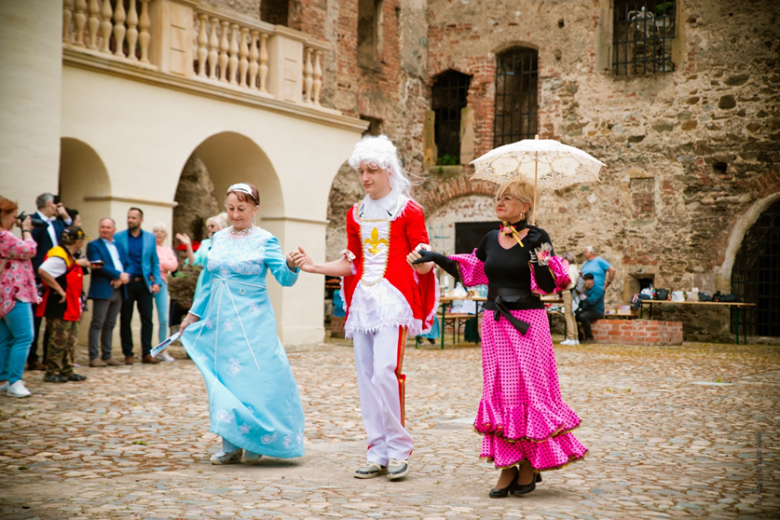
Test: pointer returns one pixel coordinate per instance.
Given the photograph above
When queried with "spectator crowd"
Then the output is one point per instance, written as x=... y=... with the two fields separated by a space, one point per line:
x=42 y=281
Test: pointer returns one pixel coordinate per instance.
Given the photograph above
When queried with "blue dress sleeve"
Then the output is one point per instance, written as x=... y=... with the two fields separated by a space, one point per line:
x=277 y=263
x=201 y=303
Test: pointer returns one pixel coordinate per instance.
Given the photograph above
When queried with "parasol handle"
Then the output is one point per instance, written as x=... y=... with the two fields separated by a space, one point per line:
x=536 y=182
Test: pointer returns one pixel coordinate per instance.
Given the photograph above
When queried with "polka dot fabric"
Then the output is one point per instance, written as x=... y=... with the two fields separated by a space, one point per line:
x=521 y=414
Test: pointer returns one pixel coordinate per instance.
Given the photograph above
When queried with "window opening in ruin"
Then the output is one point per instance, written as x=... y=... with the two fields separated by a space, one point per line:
x=468 y=235
x=755 y=277
x=517 y=81
x=369 y=35
x=643 y=34
x=374 y=126
x=448 y=97
x=276 y=12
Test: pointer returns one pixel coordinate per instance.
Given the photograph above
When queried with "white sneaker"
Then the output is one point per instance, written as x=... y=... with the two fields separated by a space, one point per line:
x=227 y=457
x=4 y=388
x=576 y=342
x=18 y=390
x=166 y=357
x=568 y=342
x=370 y=470
x=397 y=468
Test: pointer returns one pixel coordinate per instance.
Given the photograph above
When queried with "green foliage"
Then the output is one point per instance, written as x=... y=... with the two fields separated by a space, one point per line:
x=665 y=8
x=447 y=160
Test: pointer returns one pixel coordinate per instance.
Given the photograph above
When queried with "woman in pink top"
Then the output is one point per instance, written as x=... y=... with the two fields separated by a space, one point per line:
x=168 y=263
x=17 y=295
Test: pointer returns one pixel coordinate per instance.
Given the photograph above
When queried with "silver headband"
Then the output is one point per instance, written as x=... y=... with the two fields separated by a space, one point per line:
x=243 y=188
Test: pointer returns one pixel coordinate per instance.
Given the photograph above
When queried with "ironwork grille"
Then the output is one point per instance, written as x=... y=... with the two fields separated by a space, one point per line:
x=449 y=96
x=517 y=82
x=644 y=30
x=755 y=277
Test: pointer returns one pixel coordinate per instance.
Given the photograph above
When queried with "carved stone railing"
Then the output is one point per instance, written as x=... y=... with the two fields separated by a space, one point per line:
x=186 y=38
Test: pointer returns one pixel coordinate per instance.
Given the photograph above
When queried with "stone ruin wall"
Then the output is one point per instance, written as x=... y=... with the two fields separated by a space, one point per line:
x=687 y=152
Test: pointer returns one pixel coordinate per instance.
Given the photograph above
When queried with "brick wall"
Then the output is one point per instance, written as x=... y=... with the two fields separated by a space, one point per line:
x=638 y=332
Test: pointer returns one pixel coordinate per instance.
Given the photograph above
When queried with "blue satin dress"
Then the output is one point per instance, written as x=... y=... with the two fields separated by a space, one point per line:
x=253 y=398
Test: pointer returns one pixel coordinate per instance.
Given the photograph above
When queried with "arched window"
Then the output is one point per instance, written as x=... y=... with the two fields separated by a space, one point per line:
x=448 y=98
x=517 y=82
x=755 y=277
x=276 y=12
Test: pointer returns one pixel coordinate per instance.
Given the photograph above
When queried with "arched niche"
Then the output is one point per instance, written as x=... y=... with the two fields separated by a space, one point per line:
x=84 y=183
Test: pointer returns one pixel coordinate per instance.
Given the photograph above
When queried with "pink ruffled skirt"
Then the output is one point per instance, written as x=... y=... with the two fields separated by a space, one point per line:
x=521 y=414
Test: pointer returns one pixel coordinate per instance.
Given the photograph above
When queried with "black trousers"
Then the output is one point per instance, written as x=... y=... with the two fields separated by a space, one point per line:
x=137 y=292
x=584 y=318
x=32 y=355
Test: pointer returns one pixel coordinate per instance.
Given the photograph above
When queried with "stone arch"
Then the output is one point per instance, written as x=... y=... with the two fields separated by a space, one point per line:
x=84 y=183
x=742 y=226
x=514 y=43
x=221 y=160
x=345 y=190
x=436 y=194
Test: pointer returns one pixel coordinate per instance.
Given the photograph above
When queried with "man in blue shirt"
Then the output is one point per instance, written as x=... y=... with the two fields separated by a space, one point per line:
x=591 y=307
x=143 y=268
x=106 y=293
x=603 y=273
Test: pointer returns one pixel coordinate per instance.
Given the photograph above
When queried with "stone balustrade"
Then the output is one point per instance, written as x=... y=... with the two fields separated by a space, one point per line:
x=188 y=39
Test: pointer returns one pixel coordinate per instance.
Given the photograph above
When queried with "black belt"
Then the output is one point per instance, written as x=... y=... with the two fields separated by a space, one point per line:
x=503 y=300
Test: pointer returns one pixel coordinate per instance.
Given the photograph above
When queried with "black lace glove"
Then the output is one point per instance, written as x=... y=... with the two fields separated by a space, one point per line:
x=534 y=237
x=445 y=262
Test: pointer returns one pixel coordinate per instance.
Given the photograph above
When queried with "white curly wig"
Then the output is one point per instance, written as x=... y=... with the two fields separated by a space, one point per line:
x=379 y=152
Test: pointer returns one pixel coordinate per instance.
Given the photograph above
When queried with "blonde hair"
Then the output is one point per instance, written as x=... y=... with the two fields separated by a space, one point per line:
x=520 y=189
x=218 y=220
x=160 y=226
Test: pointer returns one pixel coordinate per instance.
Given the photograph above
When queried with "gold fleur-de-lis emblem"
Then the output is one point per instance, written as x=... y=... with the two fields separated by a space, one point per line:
x=375 y=241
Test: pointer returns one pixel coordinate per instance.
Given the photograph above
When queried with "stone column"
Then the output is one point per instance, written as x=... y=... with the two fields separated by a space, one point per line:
x=30 y=99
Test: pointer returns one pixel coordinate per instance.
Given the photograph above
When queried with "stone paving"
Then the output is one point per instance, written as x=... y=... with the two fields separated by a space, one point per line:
x=133 y=442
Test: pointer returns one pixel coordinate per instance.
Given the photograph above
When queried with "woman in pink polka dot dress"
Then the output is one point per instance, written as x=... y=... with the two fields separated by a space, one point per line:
x=524 y=421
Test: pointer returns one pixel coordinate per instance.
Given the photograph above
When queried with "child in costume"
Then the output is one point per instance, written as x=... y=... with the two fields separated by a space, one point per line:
x=385 y=297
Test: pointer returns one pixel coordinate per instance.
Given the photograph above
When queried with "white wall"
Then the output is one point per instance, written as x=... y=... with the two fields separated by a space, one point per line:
x=30 y=94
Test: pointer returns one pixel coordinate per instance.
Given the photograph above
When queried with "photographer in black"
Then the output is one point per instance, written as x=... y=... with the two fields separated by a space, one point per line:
x=55 y=218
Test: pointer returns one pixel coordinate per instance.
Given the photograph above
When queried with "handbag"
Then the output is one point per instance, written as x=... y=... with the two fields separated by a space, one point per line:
x=704 y=296
x=662 y=294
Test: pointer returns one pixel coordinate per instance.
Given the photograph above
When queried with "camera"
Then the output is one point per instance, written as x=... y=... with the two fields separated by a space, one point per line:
x=57 y=200
x=35 y=221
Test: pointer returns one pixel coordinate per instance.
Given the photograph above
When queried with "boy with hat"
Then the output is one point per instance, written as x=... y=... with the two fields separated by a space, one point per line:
x=63 y=279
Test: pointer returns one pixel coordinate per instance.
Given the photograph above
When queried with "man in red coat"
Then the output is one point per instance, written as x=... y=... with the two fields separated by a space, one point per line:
x=386 y=298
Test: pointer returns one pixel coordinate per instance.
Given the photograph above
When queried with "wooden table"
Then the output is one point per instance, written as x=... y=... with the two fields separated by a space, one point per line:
x=444 y=300
x=732 y=306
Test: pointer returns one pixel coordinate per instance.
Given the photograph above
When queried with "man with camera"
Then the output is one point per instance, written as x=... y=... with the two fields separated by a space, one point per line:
x=63 y=280
x=49 y=222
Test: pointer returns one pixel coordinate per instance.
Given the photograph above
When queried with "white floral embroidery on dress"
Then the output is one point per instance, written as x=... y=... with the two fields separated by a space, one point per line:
x=203 y=358
x=287 y=441
x=244 y=429
x=228 y=325
x=268 y=439
x=209 y=324
x=225 y=417
x=299 y=437
x=253 y=308
x=245 y=255
x=235 y=366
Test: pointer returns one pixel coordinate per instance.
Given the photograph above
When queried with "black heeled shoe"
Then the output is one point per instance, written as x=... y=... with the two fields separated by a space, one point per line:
x=504 y=492
x=523 y=489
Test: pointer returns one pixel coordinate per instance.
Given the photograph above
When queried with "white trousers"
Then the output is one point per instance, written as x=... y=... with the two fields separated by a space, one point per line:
x=379 y=360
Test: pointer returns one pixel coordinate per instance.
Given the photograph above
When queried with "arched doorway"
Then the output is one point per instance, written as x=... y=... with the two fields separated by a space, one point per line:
x=755 y=277
x=84 y=183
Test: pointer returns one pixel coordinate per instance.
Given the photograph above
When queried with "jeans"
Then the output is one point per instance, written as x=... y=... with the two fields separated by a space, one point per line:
x=584 y=318
x=163 y=303
x=16 y=335
x=101 y=328
x=137 y=292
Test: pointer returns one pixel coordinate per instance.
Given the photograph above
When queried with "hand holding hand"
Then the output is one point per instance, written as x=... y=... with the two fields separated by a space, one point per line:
x=421 y=256
x=116 y=284
x=124 y=278
x=302 y=260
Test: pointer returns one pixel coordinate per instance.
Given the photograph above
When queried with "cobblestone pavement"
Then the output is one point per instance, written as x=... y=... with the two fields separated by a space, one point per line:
x=133 y=442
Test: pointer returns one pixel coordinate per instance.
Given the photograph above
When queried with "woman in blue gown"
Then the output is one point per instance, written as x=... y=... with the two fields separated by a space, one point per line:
x=230 y=333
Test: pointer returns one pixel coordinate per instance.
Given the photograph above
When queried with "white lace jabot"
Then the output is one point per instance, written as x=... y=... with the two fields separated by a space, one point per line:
x=385 y=208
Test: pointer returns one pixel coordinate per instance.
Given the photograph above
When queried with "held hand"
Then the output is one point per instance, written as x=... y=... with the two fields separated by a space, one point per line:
x=291 y=261
x=421 y=256
x=116 y=284
x=155 y=289
x=184 y=239
x=302 y=260
x=533 y=237
x=124 y=278
x=83 y=262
